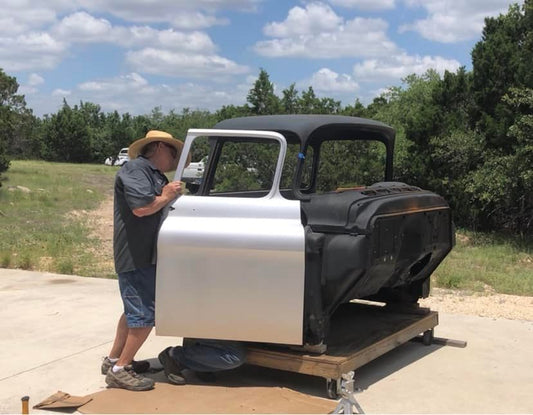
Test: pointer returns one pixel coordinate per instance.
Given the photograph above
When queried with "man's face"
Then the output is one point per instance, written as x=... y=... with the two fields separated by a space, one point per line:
x=169 y=155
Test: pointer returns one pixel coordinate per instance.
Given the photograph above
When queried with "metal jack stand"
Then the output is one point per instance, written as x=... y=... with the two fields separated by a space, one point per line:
x=347 y=391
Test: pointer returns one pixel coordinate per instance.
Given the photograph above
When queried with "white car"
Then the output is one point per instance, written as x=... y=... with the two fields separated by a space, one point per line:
x=122 y=157
x=194 y=172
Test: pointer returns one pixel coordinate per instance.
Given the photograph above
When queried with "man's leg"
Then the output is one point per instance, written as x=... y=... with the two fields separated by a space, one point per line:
x=116 y=350
x=135 y=339
x=120 y=338
x=121 y=374
x=201 y=356
x=137 y=289
x=204 y=357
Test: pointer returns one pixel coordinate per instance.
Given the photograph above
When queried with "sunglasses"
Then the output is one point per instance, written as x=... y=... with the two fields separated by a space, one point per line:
x=173 y=151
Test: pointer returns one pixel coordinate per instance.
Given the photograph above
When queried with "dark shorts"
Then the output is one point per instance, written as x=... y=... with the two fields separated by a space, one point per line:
x=137 y=289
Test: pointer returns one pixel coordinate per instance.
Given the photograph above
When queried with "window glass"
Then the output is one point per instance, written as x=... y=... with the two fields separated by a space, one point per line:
x=194 y=173
x=291 y=162
x=246 y=166
x=348 y=164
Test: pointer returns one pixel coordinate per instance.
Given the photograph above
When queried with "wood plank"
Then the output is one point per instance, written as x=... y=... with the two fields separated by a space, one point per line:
x=369 y=353
x=359 y=334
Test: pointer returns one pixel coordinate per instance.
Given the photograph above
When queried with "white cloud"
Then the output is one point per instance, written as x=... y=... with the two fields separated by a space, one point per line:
x=177 y=12
x=326 y=80
x=19 y=16
x=118 y=84
x=305 y=34
x=315 y=18
x=368 y=5
x=82 y=27
x=58 y=92
x=167 y=52
x=35 y=79
x=26 y=90
x=196 y=20
x=178 y=64
x=398 y=67
x=449 y=22
x=169 y=39
x=18 y=19
x=134 y=94
x=34 y=50
x=31 y=85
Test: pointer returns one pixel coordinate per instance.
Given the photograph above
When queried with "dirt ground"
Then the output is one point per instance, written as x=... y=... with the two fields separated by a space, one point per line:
x=486 y=304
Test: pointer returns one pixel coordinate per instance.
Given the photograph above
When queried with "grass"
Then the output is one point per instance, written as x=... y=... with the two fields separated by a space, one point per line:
x=43 y=227
x=42 y=221
x=493 y=262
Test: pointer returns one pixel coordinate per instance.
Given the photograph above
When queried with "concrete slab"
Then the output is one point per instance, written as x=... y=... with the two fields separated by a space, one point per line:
x=57 y=328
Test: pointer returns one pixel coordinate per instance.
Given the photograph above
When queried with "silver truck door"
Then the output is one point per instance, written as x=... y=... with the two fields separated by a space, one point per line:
x=232 y=267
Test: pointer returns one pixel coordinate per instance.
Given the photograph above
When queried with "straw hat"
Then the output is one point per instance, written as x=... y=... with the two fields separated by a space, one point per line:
x=152 y=136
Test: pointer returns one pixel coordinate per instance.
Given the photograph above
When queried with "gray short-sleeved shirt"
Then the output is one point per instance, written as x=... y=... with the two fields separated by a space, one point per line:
x=137 y=184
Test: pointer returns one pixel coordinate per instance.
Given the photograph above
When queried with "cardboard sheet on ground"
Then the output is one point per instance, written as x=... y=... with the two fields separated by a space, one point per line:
x=62 y=400
x=167 y=398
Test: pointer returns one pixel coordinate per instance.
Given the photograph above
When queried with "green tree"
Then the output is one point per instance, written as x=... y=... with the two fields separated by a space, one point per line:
x=413 y=113
x=94 y=119
x=262 y=97
x=502 y=60
x=289 y=102
x=502 y=188
x=232 y=111
x=178 y=124
x=141 y=124
x=157 y=118
x=329 y=106
x=15 y=120
x=355 y=110
x=453 y=96
x=309 y=102
x=67 y=136
x=116 y=132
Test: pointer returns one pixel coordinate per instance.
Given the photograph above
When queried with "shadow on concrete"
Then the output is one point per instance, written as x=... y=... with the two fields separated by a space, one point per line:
x=249 y=375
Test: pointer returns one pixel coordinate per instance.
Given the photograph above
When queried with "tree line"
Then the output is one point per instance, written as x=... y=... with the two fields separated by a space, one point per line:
x=467 y=135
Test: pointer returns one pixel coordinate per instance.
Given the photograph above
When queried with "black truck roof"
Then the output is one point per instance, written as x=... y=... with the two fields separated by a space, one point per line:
x=310 y=127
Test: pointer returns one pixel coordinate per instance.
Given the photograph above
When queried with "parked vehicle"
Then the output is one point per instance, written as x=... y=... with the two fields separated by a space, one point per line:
x=295 y=215
x=194 y=172
x=122 y=157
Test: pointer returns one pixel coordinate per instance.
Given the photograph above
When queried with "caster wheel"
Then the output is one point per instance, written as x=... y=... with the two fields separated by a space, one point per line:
x=427 y=337
x=331 y=389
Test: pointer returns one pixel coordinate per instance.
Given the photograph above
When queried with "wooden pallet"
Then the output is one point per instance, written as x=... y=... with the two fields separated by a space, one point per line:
x=359 y=334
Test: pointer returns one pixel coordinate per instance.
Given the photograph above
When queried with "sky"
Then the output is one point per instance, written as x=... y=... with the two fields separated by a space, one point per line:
x=135 y=55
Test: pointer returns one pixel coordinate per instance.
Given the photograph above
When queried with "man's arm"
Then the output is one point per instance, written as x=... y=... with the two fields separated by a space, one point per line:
x=169 y=193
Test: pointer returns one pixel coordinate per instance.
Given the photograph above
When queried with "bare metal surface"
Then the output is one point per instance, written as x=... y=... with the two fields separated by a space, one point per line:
x=209 y=283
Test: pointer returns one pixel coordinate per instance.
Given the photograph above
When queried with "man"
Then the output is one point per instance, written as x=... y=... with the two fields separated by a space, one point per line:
x=142 y=192
x=202 y=356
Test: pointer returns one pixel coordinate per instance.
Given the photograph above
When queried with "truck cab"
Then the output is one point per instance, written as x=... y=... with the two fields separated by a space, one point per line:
x=295 y=215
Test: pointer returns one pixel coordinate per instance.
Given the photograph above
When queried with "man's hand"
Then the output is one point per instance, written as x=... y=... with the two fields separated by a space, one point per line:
x=169 y=192
x=172 y=190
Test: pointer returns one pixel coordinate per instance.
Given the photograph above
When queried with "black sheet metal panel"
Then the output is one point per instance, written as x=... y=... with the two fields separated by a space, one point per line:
x=304 y=127
x=379 y=242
